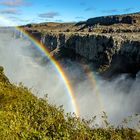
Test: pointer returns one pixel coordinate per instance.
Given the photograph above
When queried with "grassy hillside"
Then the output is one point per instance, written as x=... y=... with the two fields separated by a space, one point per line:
x=24 y=116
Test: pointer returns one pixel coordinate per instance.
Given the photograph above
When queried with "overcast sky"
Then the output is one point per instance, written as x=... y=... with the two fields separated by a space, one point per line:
x=34 y=11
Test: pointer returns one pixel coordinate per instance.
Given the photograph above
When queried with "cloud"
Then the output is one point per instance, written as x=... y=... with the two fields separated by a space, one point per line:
x=128 y=9
x=48 y=5
x=49 y=15
x=14 y=3
x=82 y=3
x=13 y=18
x=89 y=9
x=79 y=17
x=114 y=11
x=11 y=11
x=111 y=11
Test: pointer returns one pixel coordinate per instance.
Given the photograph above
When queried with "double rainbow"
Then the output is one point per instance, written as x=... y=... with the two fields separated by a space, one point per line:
x=59 y=68
x=55 y=63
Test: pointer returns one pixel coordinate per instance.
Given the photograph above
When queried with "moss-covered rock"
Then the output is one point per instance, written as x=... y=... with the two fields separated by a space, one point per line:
x=3 y=78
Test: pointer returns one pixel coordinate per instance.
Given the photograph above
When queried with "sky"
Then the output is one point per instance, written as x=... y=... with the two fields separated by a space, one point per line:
x=36 y=11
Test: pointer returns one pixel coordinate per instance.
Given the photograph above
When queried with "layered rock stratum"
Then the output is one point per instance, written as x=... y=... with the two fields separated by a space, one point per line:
x=111 y=43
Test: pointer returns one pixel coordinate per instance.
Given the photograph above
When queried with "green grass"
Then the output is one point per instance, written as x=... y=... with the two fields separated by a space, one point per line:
x=24 y=116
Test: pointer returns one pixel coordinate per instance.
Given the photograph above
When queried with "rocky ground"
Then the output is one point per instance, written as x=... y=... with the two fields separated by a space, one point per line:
x=111 y=43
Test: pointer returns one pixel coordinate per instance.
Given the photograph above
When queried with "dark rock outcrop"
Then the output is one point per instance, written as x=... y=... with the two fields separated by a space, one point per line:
x=115 y=19
x=121 y=52
x=3 y=78
x=113 y=44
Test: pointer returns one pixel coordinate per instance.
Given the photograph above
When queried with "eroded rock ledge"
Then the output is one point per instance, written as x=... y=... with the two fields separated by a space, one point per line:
x=120 y=52
x=110 y=43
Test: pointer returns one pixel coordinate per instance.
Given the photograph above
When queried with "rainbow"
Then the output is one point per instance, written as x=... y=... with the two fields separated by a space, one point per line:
x=55 y=63
x=91 y=77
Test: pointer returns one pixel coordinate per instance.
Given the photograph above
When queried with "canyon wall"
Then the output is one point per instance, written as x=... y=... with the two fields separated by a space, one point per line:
x=109 y=20
x=120 y=52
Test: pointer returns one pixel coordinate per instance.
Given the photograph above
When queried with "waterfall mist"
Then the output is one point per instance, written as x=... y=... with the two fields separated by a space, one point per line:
x=119 y=98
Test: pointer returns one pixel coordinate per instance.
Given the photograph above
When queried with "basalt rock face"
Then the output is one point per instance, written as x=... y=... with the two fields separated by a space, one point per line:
x=110 y=43
x=111 y=20
x=108 y=52
x=126 y=59
x=115 y=19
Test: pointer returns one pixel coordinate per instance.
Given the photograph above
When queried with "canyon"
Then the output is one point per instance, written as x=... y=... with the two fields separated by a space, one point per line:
x=110 y=44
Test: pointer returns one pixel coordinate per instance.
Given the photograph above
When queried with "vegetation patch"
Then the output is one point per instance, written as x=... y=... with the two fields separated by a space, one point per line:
x=24 y=116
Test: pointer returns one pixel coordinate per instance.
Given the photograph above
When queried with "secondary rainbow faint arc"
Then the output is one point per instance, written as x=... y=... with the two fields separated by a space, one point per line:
x=57 y=65
x=91 y=76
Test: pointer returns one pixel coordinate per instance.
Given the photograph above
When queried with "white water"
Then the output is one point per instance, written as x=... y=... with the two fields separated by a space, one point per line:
x=118 y=98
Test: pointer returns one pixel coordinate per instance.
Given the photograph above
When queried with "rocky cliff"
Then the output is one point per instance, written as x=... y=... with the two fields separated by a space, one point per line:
x=115 y=19
x=118 y=51
x=115 y=52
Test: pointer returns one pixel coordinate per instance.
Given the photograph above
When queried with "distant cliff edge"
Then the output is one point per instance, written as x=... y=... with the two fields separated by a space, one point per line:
x=111 y=43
